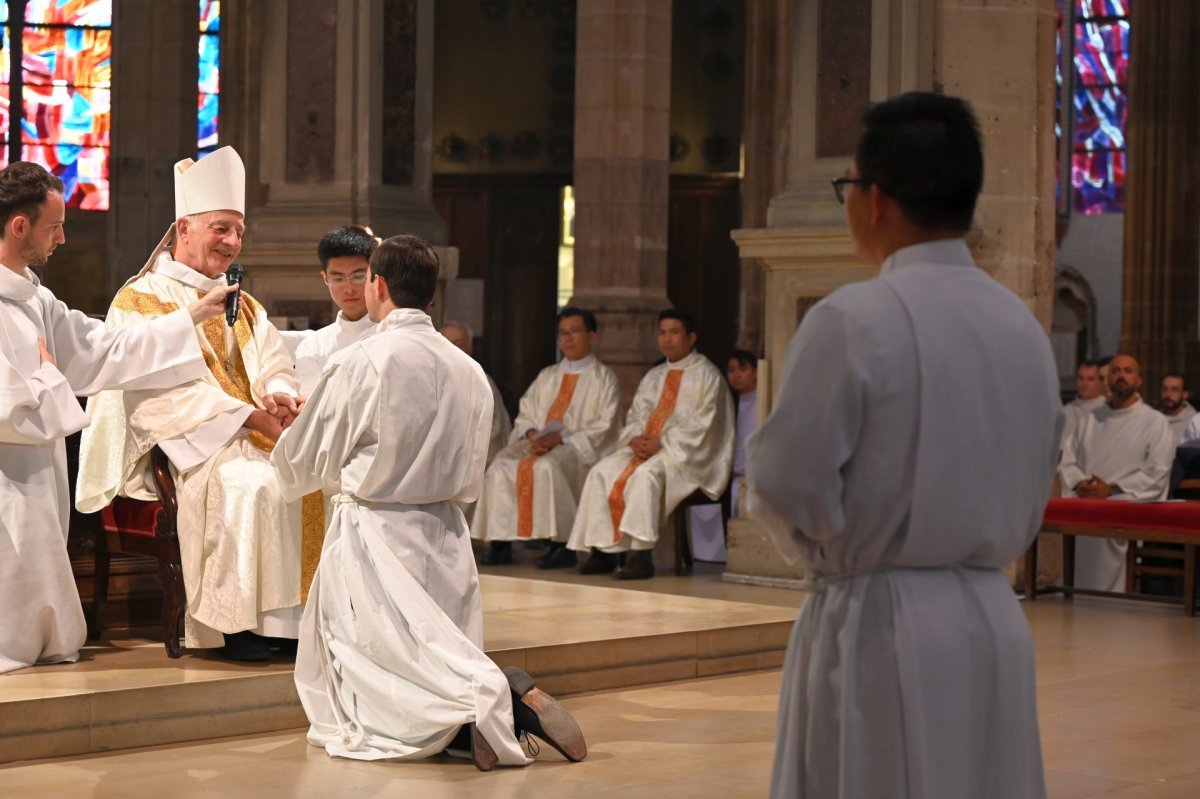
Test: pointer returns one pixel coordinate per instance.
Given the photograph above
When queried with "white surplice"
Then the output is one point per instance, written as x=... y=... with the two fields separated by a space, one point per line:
x=697 y=451
x=1133 y=448
x=40 y=616
x=238 y=539
x=391 y=659
x=907 y=460
x=313 y=351
x=501 y=425
x=1074 y=412
x=1179 y=422
x=589 y=432
x=707 y=523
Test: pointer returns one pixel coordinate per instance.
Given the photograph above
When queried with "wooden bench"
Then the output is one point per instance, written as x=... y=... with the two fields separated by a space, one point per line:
x=1135 y=522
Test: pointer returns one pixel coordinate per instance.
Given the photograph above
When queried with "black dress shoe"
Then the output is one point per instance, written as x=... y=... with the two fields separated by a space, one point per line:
x=283 y=646
x=535 y=712
x=559 y=557
x=499 y=554
x=638 y=566
x=598 y=563
x=245 y=647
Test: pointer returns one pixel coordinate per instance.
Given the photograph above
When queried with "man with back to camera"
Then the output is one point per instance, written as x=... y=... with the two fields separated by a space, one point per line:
x=908 y=459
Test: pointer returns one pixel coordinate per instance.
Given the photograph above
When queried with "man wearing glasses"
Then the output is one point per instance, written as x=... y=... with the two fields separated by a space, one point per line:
x=344 y=254
x=909 y=459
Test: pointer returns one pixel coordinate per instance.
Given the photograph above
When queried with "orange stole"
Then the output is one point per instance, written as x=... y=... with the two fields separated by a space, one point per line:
x=566 y=390
x=654 y=427
x=235 y=381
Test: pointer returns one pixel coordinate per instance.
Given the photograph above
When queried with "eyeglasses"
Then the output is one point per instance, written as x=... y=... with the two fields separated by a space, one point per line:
x=357 y=278
x=839 y=183
x=571 y=332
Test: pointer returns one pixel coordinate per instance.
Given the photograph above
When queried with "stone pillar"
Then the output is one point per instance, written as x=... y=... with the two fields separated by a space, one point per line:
x=1162 y=193
x=336 y=102
x=622 y=115
x=153 y=126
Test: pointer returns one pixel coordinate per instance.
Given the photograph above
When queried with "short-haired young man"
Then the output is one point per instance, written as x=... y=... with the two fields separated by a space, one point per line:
x=391 y=661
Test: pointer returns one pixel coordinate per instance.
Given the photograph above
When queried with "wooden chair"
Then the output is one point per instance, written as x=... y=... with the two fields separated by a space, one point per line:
x=683 y=542
x=146 y=529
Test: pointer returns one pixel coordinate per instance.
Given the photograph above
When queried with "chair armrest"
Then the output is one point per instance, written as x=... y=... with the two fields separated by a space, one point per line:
x=164 y=485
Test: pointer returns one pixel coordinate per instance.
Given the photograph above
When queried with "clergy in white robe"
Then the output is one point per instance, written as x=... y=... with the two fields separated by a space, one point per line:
x=567 y=421
x=678 y=437
x=501 y=427
x=391 y=663
x=50 y=354
x=1122 y=450
x=907 y=460
x=344 y=254
x=1089 y=395
x=1173 y=402
x=240 y=542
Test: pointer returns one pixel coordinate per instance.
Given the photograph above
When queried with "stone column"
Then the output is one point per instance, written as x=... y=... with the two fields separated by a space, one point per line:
x=1162 y=192
x=337 y=125
x=153 y=126
x=622 y=115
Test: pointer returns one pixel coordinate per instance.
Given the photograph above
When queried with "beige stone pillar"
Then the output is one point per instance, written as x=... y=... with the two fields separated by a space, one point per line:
x=336 y=127
x=622 y=114
x=1162 y=239
x=153 y=126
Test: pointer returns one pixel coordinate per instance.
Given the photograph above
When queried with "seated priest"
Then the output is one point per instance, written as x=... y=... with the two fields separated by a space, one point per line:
x=1121 y=450
x=343 y=253
x=678 y=438
x=240 y=542
x=567 y=421
x=1173 y=402
x=461 y=336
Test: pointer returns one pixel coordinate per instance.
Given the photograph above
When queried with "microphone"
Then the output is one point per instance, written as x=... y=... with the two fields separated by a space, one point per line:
x=236 y=274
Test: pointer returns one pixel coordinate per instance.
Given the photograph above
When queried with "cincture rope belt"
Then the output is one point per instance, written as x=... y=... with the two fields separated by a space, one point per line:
x=819 y=582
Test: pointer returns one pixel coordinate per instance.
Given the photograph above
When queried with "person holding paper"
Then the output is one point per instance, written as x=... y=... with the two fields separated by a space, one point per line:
x=567 y=422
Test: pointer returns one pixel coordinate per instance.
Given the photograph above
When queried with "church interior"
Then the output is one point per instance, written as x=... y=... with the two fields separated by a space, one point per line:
x=623 y=156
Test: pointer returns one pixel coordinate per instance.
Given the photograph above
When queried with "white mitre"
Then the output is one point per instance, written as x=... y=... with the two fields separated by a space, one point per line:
x=217 y=182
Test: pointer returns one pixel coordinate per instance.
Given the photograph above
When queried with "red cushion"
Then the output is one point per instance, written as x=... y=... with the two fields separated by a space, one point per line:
x=1178 y=516
x=126 y=515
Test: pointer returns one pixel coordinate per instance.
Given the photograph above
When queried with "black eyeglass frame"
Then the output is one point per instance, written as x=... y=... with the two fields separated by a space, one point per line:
x=840 y=183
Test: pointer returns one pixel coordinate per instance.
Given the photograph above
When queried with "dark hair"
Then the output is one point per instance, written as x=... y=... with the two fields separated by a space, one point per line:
x=1105 y=361
x=589 y=318
x=343 y=241
x=1087 y=365
x=689 y=324
x=923 y=149
x=409 y=267
x=24 y=187
x=744 y=357
x=1182 y=377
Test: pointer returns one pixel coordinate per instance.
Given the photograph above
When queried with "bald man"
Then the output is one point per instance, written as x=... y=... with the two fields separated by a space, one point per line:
x=1121 y=450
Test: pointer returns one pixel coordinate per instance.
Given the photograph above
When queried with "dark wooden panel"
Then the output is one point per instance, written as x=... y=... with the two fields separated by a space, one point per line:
x=843 y=74
x=703 y=270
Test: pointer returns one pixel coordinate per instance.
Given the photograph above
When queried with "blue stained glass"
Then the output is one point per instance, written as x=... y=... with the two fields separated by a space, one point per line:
x=1086 y=9
x=3 y=11
x=1099 y=182
x=210 y=16
x=1100 y=115
x=209 y=85
x=1102 y=52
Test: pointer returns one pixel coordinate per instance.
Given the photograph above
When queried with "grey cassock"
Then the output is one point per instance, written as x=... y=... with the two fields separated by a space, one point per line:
x=908 y=458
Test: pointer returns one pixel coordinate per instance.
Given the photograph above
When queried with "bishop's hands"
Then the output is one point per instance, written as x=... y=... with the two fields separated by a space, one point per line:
x=646 y=447
x=278 y=412
x=540 y=445
x=211 y=304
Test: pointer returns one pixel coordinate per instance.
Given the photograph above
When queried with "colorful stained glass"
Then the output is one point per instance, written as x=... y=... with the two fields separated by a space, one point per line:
x=1086 y=9
x=1100 y=116
x=94 y=13
x=83 y=171
x=1099 y=181
x=208 y=103
x=1102 y=53
x=3 y=11
x=77 y=56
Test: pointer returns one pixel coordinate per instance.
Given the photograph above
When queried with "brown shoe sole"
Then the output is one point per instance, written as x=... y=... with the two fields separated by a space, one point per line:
x=481 y=751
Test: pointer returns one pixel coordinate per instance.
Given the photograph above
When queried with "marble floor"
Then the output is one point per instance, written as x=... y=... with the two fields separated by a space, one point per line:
x=1119 y=702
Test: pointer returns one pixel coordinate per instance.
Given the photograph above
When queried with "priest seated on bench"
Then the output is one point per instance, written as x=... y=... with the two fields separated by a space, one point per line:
x=567 y=421
x=678 y=438
x=1122 y=449
x=239 y=541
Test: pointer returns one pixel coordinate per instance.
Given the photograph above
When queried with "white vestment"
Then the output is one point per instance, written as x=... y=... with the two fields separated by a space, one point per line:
x=527 y=496
x=1181 y=421
x=501 y=422
x=899 y=466
x=239 y=541
x=391 y=659
x=707 y=524
x=689 y=403
x=1133 y=448
x=314 y=350
x=40 y=616
x=1074 y=412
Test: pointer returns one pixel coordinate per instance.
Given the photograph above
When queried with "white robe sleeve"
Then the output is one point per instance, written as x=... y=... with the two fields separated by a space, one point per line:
x=795 y=460
x=527 y=411
x=39 y=408
x=1069 y=473
x=192 y=447
x=1151 y=481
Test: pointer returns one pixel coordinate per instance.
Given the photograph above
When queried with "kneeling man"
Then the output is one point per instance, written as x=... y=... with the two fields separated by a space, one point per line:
x=391 y=662
x=568 y=421
x=678 y=437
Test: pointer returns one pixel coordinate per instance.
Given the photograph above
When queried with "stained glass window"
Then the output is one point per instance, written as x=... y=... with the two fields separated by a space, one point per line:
x=1099 y=57
x=210 y=71
x=65 y=85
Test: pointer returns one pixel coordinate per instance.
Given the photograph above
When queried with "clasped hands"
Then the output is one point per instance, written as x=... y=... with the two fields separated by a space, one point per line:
x=1094 y=488
x=646 y=447
x=540 y=445
x=278 y=412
